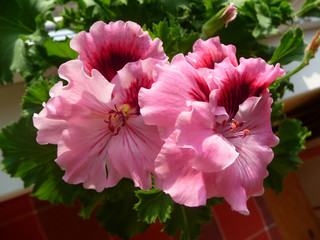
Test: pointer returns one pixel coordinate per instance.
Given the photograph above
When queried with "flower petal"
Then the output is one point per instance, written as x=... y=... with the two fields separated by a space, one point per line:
x=207 y=53
x=175 y=85
x=131 y=78
x=237 y=84
x=49 y=130
x=109 y=47
x=79 y=82
x=82 y=153
x=133 y=151
x=214 y=152
x=255 y=113
x=244 y=178
x=176 y=177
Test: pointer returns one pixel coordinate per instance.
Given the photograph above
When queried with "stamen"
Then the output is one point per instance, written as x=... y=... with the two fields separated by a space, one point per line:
x=234 y=125
x=246 y=131
x=117 y=118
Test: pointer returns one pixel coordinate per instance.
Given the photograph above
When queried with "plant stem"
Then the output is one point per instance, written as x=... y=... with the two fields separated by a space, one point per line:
x=301 y=66
x=185 y=222
x=307 y=8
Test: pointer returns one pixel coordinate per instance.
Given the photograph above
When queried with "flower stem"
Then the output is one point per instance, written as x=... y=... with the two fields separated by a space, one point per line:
x=310 y=52
x=185 y=221
x=301 y=66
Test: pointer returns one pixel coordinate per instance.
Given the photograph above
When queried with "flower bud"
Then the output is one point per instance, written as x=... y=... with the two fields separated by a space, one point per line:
x=222 y=18
x=312 y=48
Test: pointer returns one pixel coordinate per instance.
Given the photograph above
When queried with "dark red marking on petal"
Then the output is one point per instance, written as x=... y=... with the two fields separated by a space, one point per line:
x=109 y=61
x=209 y=59
x=131 y=94
x=202 y=92
x=235 y=90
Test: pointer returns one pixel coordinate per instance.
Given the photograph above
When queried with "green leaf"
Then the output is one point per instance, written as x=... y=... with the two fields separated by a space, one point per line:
x=153 y=204
x=18 y=18
x=310 y=8
x=60 y=49
x=292 y=140
x=35 y=96
x=89 y=200
x=291 y=48
x=23 y=157
x=117 y=215
x=187 y=219
x=175 y=39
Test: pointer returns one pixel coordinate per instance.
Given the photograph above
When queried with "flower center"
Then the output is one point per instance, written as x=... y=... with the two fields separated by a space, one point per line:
x=234 y=129
x=116 y=118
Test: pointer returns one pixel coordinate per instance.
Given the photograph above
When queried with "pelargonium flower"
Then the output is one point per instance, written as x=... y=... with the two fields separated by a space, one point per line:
x=216 y=128
x=109 y=47
x=207 y=53
x=97 y=125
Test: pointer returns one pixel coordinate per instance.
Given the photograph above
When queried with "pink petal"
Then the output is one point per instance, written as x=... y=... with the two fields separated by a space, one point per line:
x=207 y=53
x=237 y=84
x=175 y=85
x=244 y=178
x=49 y=130
x=131 y=78
x=255 y=112
x=109 y=47
x=214 y=152
x=176 y=177
x=79 y=82
x=82 y=153
x=133 y=151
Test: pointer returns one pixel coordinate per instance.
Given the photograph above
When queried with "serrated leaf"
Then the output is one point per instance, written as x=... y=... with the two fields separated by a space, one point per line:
x=175 y=39
x=291 y=48
x=292 y=137
x=187 y=219
x=153 y=204
x=18 y=17
x=35 y=96
x=117 y=215
x=23 y=157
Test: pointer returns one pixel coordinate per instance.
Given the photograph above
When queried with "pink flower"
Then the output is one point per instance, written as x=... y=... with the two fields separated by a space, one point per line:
x=216 y=127
x=207 y=53
x=97 y=125
x=109 y=47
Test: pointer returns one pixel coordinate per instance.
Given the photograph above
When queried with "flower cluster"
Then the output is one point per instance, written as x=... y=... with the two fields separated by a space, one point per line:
x=199 y=124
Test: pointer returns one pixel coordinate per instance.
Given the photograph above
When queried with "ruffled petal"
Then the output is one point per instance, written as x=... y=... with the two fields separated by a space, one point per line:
x=244 y=178
x=79 y=82
x=82 y=153
x=255 y=113
x=237 y=84
x=176 y=177
x=214 y=152
x=175 y=85
x=109 y=47
x=49 y=130
x=131 y=78
x=207 y=53
x=133 y=151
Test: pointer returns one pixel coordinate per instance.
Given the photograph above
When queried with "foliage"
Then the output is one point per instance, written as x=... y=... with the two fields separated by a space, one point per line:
x=293 y=136
x=28 y=49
